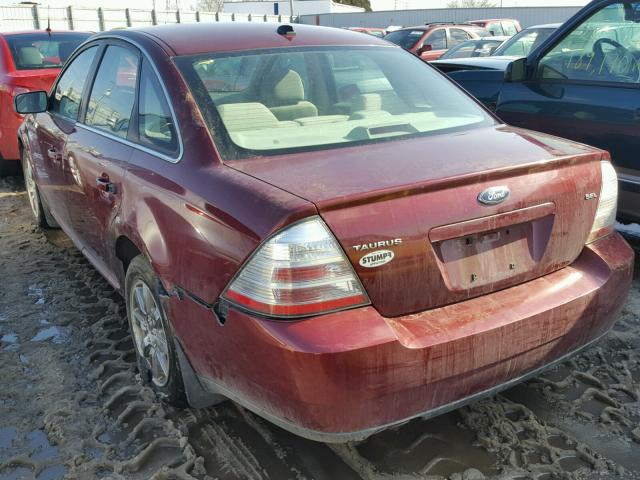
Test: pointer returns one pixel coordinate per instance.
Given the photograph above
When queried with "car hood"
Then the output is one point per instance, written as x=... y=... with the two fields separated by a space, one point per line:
x=343 y=174
x=478 y=63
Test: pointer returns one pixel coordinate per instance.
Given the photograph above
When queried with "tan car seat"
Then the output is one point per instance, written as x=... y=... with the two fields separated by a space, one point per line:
x=286 y=99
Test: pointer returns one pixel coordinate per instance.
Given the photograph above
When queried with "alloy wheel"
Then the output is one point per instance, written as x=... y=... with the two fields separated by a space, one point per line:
x=32 y=189
x=148 y=332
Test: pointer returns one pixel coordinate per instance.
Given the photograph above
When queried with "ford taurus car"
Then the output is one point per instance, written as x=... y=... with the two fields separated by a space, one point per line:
x=318 y=225
x=580 y=83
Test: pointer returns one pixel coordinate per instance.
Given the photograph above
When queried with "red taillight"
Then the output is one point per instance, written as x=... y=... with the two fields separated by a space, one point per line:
x=300 y=271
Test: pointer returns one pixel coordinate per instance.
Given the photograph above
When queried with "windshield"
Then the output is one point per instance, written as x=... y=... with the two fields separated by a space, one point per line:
x=472 y=48
x=288 y=100
x=40 y=50
x=407 y=39
x=523 y=42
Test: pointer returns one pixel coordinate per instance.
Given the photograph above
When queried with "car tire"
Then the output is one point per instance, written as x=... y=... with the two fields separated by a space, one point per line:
x=41 y=213
x=151 y=333
x=9 y=168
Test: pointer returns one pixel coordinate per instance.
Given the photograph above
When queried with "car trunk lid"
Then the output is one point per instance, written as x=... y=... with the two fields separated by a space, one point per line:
x=408 y=217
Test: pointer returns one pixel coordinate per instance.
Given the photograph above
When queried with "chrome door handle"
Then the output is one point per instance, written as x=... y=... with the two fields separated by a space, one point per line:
x=54 y=154
x=104 y=184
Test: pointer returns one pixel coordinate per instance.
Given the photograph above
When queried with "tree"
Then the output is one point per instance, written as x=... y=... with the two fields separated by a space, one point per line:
x=470 y=4
x=210 y=5
x=358 y=3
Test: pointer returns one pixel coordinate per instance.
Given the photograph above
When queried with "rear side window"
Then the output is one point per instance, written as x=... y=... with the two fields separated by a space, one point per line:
x=35 y=51
x=113 y=93
x=68 y=92
x=156 y=128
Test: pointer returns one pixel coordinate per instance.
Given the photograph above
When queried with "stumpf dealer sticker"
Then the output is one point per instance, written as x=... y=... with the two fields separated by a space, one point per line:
x=377 y=258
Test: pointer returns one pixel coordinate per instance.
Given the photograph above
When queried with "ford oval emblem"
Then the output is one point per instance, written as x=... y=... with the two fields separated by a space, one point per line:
x=493 y=195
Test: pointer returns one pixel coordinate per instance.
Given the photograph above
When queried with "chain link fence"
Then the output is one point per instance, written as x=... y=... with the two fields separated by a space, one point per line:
x=28 y=17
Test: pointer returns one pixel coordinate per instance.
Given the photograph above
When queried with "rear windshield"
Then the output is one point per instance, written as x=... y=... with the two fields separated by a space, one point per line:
x=405 y=38
x=524 y=42
x=41 y=50
x=296 y=99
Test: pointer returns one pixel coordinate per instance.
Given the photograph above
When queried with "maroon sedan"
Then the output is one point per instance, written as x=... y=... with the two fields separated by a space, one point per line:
x=28 y=61
x=318 y=225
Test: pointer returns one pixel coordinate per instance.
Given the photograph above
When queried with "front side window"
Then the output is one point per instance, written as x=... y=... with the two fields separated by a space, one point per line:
x=114 y=90
x=495 y=29
x=437 y=39
x=407 y=39
x=68 y=92
x=156 y=128
x=524 y=42
x=361 y=95
x=605 y=48
x=457 y=36
x=509 y=29
x=35 y=51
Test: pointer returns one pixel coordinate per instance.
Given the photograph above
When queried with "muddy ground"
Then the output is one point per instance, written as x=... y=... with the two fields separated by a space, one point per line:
x=72 y=406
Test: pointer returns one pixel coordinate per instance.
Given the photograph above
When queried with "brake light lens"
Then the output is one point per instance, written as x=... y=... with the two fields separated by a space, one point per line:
x=301 y=271
x=607 y=203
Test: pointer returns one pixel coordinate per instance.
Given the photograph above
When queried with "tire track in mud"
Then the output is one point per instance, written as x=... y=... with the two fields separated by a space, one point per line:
x=126 y=432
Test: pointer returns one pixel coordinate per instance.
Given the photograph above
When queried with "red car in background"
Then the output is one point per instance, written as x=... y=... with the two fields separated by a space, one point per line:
x=430 y=41
x=28 y=61
x=335 y=263
x=376 y=32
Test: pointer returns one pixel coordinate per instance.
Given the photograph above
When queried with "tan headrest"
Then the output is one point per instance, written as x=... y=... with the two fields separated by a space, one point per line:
x=289 y=89
x=29 y=56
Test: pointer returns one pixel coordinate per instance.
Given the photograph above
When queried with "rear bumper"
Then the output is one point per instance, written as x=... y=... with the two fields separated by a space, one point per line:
x=346 y=375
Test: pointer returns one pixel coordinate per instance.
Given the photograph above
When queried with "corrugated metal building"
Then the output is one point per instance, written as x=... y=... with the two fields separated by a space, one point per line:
x=526 y=15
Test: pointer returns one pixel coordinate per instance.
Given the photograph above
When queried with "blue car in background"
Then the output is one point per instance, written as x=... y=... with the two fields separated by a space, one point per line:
x=582 y=83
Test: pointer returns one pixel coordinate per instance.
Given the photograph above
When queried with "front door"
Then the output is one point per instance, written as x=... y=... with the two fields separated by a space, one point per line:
x=586 y=87
x=53 y=128
x=99 y=151
x=437 y=40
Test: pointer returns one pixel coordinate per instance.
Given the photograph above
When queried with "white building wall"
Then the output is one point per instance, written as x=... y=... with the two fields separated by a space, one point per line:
x=300 y=7
x=379 y=5
x=526 y=15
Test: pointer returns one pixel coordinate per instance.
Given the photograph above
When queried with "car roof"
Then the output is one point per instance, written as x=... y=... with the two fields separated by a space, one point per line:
x=493 y=20
x=194 y=38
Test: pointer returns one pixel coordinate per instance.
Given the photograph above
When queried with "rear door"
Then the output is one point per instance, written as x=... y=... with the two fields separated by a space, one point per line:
x=53 y=128
x=100 y=148
x=586 y=87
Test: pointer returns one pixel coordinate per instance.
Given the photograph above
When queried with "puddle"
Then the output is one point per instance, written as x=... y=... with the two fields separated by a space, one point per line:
x=9 y=338
x=56 y=334
x=43 y=449
x=7 y=435
x=11 y=341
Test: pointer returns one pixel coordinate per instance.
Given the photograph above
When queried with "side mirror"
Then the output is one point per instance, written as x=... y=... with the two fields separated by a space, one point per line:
x=31 y=102
x=424 y=48
x=516 y=71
